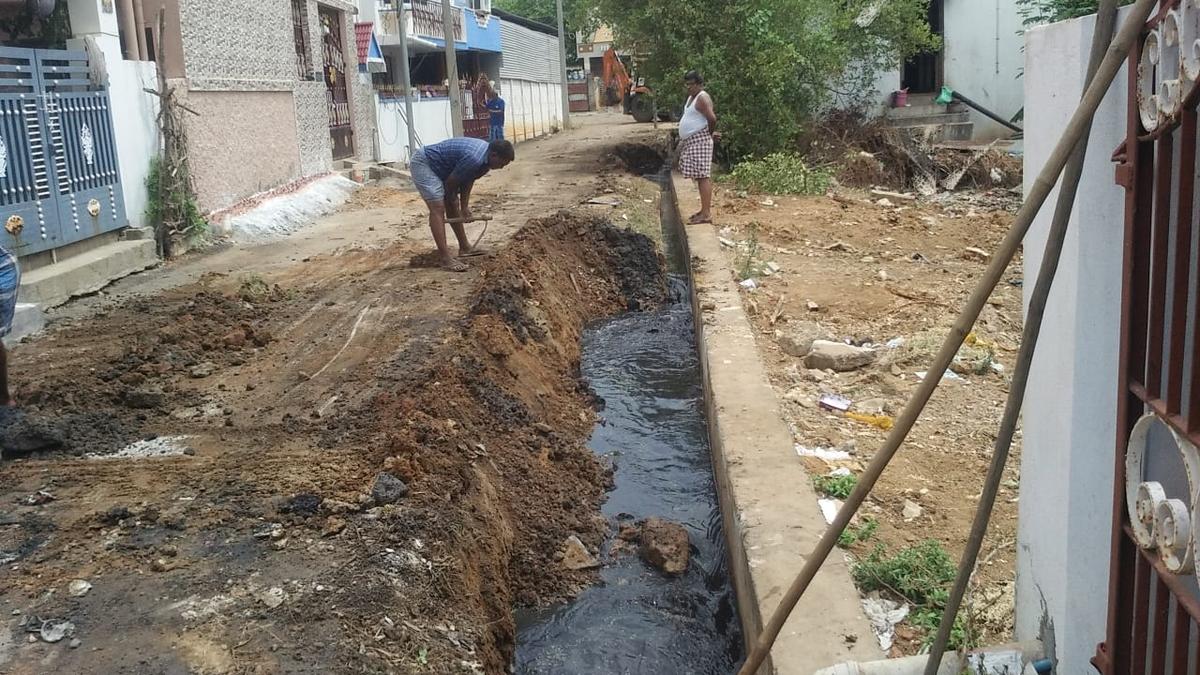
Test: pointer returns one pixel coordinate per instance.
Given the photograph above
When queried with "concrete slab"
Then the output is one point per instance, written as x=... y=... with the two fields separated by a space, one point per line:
x=27 y=320
x=771 y=515
x=88 y=272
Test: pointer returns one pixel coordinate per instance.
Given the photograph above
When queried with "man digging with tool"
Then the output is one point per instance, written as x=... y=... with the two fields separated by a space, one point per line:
x=444 y=174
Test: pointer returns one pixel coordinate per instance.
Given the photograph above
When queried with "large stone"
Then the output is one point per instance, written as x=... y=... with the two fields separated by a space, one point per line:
x=388 y=489
x=576 y=556
x=838 y=357
x=665 y=545
x=799 y=338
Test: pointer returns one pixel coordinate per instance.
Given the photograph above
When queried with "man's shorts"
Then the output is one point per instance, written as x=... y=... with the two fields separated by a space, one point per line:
x=10 y=281
x=432 y=188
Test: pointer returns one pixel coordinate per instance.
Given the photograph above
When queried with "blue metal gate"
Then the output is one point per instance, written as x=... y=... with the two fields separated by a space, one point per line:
x=59 y=178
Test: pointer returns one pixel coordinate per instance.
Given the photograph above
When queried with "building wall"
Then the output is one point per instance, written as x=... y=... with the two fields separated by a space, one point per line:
x=242 y=143
x=528 y=54
x=135 y=113
x=432 y=126
x=239 y=44
x=1069 y=432
x=983 y=59
x=135 y=125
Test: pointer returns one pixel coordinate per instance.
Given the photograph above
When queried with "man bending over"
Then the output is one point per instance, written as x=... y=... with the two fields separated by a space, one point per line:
x=444 y=174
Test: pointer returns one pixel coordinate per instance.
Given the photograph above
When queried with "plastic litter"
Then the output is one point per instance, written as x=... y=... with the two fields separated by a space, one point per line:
x=835 y=403
x=884 y=615
x=878 y=421
x=827 y=454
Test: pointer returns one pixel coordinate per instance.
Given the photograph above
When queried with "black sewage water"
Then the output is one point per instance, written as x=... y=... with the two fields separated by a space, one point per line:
x=646 y=369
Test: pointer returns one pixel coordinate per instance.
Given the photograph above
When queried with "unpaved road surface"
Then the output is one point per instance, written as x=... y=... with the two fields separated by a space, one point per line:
x=266 y=389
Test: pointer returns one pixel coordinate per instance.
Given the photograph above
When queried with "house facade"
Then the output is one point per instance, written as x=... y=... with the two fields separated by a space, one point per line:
x=517 y=56
x=274 y=84
x=981 y=58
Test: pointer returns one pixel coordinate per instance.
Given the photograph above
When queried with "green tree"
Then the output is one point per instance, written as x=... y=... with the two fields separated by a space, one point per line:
x=1036 y=12
x=771 y=65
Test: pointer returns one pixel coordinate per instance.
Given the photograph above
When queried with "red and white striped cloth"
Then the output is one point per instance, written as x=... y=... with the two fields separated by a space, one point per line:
x=695 y=155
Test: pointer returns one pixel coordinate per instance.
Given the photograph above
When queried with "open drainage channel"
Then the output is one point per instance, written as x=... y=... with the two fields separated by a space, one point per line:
x=646 y=368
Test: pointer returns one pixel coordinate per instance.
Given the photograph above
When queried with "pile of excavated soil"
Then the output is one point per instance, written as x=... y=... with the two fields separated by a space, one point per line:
x=490 y=437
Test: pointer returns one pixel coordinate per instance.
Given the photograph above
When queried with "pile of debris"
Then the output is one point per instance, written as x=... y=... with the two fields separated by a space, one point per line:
x=871 y=153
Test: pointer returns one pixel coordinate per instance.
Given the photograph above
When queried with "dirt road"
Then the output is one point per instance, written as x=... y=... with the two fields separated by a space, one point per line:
x=306 y=456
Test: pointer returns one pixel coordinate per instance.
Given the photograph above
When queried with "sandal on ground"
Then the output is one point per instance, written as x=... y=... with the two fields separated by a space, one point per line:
x=698 y=220
x=455 y=266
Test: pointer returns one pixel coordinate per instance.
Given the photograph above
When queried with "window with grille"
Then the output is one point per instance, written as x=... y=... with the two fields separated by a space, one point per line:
x=304 y=67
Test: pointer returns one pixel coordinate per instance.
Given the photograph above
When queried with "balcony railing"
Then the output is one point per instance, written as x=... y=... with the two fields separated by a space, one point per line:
x=423 y=18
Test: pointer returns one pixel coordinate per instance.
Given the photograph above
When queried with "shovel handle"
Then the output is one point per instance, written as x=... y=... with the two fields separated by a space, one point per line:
x=464 y=221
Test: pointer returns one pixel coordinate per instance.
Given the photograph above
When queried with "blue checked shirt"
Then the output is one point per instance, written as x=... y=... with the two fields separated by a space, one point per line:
x=466 y=159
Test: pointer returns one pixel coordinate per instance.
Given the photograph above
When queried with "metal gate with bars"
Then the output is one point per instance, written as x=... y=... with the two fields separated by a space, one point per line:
x=1154 y=594
x=59 y=177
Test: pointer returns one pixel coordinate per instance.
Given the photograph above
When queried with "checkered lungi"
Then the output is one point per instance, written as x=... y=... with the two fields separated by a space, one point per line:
x=10 y=282
x=695 y=155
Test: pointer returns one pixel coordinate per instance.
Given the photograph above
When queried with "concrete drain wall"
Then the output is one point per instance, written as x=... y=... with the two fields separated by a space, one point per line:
x=771 y=517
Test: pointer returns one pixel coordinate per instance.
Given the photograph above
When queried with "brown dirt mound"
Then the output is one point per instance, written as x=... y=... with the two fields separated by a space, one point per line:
x=490 y=436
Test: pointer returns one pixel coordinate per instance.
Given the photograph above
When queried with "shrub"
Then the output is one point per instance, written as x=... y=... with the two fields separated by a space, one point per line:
x=781 y=174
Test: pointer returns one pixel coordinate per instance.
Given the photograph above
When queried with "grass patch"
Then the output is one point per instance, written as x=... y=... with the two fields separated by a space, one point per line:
x=921 y=575
x=781 y=174
x=861 y=533
x=837 y=487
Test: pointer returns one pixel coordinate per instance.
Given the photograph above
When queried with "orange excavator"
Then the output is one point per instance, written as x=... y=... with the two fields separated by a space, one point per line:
x=635 y=97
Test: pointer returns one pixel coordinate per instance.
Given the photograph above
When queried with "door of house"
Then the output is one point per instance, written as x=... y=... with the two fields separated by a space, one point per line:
x=59 y=178
x=1154 y=598
x=341 y=129
x=922 y=74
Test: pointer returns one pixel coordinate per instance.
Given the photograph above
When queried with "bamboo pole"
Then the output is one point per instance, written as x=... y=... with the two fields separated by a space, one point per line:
x=1106 y=19
x=1038 y=193
x=139 y=17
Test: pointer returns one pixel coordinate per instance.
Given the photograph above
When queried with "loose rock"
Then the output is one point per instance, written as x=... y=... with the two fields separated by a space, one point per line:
x=333 y=527
x=79 y=588
x=146 y=398
x=912 y=510
x=388 y=489
x=272 y=597
x=203 y=370
x=575 y=555
x=665 y=545
x=838 y=357
x=798 y=341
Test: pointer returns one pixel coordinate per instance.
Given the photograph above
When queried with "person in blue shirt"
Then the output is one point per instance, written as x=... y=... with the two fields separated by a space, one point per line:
x=495 y=106
x=10 y=283
x=444 y=174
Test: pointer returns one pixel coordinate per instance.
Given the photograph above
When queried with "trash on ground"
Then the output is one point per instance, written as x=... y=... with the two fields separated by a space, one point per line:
x=749 y=284
x=827 y=454
x=55 y=630
x=830 y=508
x=835 y=403
x=883 y=422
x=950 y=375
x=884 y=615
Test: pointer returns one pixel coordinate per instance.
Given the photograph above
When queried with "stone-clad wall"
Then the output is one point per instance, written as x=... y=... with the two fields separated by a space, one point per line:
x=238 y=44
x=240 y=59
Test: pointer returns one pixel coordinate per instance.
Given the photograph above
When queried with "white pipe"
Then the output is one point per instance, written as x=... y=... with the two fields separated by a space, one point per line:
x=952 y=663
